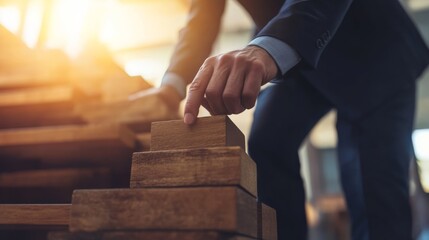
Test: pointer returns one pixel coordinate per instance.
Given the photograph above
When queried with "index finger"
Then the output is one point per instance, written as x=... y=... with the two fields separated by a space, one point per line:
x=196 y=93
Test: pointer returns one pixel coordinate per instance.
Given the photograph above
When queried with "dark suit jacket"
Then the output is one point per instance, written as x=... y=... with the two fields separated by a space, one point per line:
x=356 y=52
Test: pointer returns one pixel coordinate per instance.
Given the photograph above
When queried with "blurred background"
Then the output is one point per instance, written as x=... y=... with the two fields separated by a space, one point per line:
x=75 y=62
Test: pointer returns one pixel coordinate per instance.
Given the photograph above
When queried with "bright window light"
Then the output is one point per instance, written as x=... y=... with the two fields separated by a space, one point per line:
x=421 y=148
x=421 y=144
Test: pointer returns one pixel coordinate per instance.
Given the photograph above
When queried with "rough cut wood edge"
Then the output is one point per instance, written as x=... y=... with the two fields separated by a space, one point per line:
x=35 y=214
x=226 y=209
x=147 y=235
x=267 y=225
x=218 y=166
x=70 y=133
x=215 y=131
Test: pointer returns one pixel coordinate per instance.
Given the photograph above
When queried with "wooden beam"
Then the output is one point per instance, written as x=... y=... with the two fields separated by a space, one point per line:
x=226 y=209
x=267 y=226
x=68 y=146
x=147 y=235
x=66 y=143
x=220 y=166
x=37 y=95
x=216 y=131
x=137 y=113
x=70 y=177
x=34 y=214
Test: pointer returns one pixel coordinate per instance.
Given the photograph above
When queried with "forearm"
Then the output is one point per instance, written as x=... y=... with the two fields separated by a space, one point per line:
x=195 y=43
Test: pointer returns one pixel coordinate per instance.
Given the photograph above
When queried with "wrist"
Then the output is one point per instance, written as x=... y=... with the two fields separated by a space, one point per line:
x=174 y=82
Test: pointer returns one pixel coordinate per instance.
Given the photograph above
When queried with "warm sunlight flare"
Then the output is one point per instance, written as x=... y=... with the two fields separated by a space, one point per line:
x=10 y=18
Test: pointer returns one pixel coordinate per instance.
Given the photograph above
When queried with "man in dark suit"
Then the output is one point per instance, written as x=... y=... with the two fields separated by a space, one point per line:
x=361 y=57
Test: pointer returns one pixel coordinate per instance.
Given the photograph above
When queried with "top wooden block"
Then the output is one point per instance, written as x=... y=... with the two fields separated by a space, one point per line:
x=215 y=131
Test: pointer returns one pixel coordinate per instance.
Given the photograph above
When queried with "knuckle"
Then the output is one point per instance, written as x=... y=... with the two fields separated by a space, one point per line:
x=212 y=94
x=230 y=97
x=248 y=100
x=240 y=59
x=195 y=85
x=257 y=65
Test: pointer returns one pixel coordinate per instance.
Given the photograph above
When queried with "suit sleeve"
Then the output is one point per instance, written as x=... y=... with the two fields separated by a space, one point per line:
x=196 y=39
x=307 y=25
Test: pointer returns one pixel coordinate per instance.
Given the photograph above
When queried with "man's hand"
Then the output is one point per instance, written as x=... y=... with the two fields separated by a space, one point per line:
x=229 y=83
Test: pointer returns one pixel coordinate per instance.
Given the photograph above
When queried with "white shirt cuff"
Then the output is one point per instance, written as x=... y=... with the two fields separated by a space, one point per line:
x=284 y=55
x=175 y=81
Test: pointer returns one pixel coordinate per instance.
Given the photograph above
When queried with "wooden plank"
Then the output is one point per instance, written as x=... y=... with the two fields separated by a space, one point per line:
x=147 y=235
x=33 y=68
x=227 y=209
x=63 y=134
x=34 y=214
x=267 y=222
x=137 y=113
x=39 y=106
x=116 y=89
x=71 y=177
x=68 y=146
x=38 y=95
x=219 y=166
x=215 y=131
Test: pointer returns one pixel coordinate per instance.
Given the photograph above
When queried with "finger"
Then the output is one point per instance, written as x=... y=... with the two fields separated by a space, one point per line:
x=252 y=85
x=207 y=106
x=234 y=86
x=196 y=92
x=217 y=83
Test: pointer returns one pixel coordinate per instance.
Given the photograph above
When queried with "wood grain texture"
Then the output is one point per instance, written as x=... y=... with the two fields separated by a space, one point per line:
x=70 y=177
x=267 y=226
x=147 y=235
x=34 y=214
x=226 y=209
x=68 y=146
x=215 y=131
x=219 y=166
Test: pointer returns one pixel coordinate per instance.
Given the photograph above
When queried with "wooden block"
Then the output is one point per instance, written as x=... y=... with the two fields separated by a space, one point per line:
x=34 y=214
x=38 y=95
x=38 y=106
x=227 y=209
x=115 y=89
x=70 y=177
x=44 y=114
x=137 y=113
x=220 y=166
x=267 y=226
x=147 y=235
x=33 y=68
x=68 y=146
x=216 y=131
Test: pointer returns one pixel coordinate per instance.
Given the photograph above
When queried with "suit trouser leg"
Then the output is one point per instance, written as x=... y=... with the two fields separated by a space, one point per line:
x=385 y=149
x=284 y=115
x=351 y=177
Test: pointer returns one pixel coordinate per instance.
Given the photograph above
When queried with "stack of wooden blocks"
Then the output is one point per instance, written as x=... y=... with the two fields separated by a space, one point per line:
x=196 y=183
x=65 y=124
